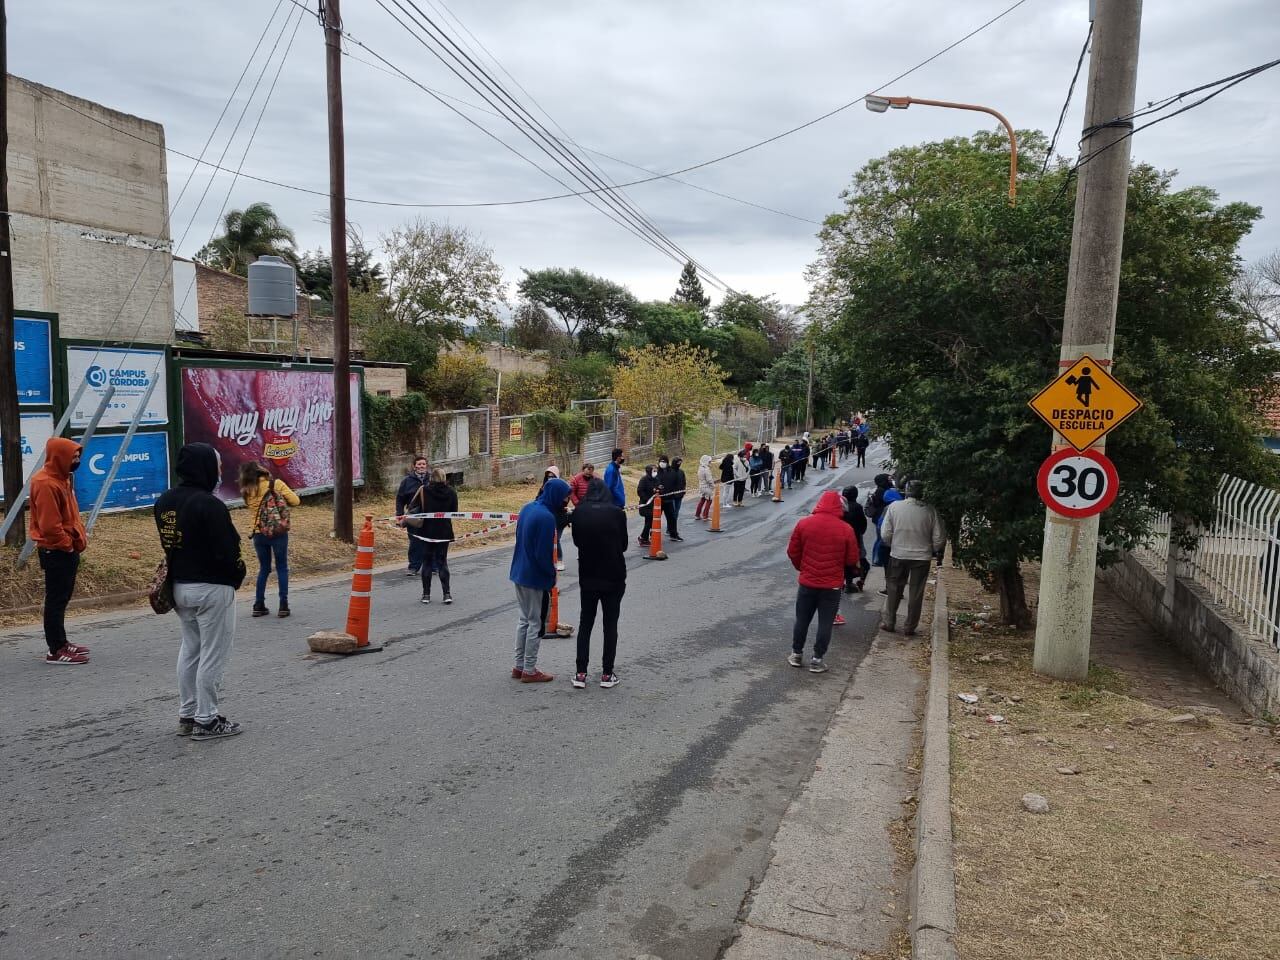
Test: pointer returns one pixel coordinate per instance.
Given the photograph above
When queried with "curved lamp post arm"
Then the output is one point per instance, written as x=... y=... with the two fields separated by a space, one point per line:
x=901 y=103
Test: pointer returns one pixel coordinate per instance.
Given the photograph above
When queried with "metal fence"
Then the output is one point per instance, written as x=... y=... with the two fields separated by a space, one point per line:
x=601 y=414
x=1155 y=549
x=1237 y=557
x=454 y=435
x=644 y=431
x=515 y=439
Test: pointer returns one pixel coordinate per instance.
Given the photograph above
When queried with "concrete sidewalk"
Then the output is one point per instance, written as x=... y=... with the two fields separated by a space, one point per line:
x=834 y=887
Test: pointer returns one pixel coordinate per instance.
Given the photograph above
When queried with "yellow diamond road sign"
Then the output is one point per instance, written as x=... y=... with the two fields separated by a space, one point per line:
x=1085 y=403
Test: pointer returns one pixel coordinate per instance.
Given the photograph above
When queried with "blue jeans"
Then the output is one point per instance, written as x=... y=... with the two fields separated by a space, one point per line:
x=266 y=548
x=786 y=476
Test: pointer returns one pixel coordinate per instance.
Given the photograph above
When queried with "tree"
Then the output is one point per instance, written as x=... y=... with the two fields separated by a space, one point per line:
x=786 y=383
x=949 y=320
x=250 y=233
x=662 y=381
x=315 y=272
x=531 y=328
x=660 y=322
x=590 y=307
x=689 y=290
x=440 y=277
x=385 y=339
x=458 y=380
x=1257 y=292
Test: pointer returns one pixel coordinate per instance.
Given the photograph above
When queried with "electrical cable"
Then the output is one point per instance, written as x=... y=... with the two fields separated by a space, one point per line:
x=1067 y=103
x=533 y=130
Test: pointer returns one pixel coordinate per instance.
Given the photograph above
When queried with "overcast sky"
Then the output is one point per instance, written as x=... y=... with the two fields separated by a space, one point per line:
x=662 y=84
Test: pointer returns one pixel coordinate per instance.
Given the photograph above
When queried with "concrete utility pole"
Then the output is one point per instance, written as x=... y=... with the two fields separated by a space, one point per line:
x=1065 y=617
x=342 y=479
x=10 y=420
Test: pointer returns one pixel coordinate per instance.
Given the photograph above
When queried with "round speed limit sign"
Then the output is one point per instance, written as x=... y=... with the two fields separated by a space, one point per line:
x=1078 y=484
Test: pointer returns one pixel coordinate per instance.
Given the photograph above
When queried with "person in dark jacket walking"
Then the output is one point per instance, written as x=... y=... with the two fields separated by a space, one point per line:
x=855 y=577
x=645 y=489
x=860 y=444
x=600 y=533
x=437 y=533
x=409 y=500
x=673 y=483
x=822 y=545
x=533 y=573
x=203 y=552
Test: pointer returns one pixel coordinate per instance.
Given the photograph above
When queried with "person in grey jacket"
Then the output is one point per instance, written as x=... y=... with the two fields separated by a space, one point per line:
x=914 y=534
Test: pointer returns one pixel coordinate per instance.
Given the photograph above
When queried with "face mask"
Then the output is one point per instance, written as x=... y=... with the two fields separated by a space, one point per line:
x=662 y=465
x=75 y=466
x=653 y=473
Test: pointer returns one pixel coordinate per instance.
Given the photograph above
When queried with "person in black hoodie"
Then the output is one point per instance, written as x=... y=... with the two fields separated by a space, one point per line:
x=437 y=497
x=855 y=577
x=202 y=549
x=600 y=533
x=649 y=485
x=673 y=483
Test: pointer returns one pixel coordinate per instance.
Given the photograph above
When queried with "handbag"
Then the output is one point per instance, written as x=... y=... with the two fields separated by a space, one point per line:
x=273 y=513
x=160 y=595
x=415 y=522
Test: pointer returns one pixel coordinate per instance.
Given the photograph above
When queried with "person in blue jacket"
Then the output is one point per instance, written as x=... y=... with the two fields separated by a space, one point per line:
x=533 y=571
x=613 y=477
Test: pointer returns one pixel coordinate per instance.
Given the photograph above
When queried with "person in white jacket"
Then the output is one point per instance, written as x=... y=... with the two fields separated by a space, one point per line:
x=741 y=471
x=706 y=488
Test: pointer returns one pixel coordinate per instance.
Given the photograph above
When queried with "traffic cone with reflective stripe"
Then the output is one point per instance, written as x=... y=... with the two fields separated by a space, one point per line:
x=777 y=484
x=833 y=456
x=553 y=608
x=655 y=533
x=715 y=510
x=362 y=586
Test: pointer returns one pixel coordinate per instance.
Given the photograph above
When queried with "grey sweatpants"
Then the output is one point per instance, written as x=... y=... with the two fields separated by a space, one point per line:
x=208 y=615
x=529 y=629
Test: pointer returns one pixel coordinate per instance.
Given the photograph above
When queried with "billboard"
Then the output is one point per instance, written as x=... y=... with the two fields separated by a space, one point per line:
x=37 y=428
x=142 y=476
x=33 y=357
x=282 y=416
x=130 y=372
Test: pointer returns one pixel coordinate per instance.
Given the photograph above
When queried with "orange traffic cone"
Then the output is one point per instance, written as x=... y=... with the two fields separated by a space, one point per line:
x=655 y=533
x=362 y=586
x=715 y=510
x=554 y=626
x=777 y=484
x=833 y=456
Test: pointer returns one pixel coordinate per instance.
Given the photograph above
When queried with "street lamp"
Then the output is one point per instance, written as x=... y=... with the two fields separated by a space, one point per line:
x=878 y=104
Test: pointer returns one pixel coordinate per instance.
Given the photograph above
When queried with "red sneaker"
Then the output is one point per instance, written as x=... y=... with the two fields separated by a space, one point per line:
x=516 y=674
x=838 y=621
x=66 y=655
x=537 y=676
x=76 y=648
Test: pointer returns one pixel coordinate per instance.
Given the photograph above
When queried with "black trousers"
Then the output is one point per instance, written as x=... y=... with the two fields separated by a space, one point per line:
x=739 y=490
x=862 y=457
x=671 y=510
x=435 y=557
x=610 y=602
x=826 y=604
x=647 y=513
x=60 y=567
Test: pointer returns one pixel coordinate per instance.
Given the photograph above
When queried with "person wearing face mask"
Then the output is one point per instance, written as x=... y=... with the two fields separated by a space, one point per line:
x=645 y=489
x=409 y=497
x=54 y=525
x=203 y=551
x=673 y=483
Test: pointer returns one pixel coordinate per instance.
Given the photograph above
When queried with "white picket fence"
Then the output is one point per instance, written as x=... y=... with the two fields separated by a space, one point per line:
x=1236 y=557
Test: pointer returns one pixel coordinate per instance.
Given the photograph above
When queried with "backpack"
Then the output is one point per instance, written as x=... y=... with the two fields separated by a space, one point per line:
x=273 y=514
x=874 y=506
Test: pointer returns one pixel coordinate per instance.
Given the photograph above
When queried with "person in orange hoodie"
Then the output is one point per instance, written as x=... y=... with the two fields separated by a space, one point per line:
x=59 y=536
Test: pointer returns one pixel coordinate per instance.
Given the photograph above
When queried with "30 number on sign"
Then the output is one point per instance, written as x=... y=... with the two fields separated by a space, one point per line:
x=1078 y=485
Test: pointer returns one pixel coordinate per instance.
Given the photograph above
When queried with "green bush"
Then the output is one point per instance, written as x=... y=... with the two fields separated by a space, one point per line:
x=383 y=418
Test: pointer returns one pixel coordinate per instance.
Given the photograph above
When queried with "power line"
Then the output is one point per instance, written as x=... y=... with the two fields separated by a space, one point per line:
x=1067 y=103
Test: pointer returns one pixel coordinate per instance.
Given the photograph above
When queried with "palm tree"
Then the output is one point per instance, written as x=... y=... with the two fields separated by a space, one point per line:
x=248 y=234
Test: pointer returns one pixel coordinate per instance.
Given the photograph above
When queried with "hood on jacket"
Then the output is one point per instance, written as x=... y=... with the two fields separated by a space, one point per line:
x=597 y=492
x=58 y=454
x=675 y=464
x=882 y=481
x=830 y=503
x=553 y=494
x=850 y=494
x=704 y=460
x=198 y=466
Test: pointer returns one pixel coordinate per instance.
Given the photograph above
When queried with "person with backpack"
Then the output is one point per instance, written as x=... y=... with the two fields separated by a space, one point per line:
x=856 y=517
x=267 y=500
x=437 y=533
x=202 y=550
x=409 y=500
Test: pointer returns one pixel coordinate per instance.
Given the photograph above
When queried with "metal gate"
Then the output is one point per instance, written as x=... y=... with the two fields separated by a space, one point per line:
x=597 y=447
x=602 y=417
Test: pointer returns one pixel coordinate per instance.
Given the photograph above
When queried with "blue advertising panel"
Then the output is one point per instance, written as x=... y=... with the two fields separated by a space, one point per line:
x=33 y=356
x=37 y=428
x=142 y=477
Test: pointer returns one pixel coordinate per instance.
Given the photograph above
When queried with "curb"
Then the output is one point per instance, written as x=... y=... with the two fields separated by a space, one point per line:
x=933 y=886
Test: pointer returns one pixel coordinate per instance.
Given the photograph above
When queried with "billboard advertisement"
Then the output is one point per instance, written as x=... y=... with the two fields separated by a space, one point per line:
x=130 y=372
x=37 y=428
x=142 y=476
x=33 y=357
x=281 y=416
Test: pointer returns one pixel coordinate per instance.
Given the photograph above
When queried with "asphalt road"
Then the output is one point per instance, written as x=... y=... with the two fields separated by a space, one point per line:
x=418 y=802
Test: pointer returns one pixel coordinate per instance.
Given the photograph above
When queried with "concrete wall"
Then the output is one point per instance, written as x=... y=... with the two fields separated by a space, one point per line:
x=508 y=360
x=89 y=199
x=386 y=381
x=1244 y=668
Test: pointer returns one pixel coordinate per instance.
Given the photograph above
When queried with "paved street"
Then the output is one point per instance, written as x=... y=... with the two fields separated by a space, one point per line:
x=418 y=802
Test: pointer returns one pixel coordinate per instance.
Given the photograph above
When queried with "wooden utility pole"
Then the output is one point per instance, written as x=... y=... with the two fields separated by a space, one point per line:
x=342 y=478
x=10 y=420
x=1065 y=618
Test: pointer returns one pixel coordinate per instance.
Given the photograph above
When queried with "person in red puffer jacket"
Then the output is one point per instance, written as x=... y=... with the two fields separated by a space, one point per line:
x=821 y=546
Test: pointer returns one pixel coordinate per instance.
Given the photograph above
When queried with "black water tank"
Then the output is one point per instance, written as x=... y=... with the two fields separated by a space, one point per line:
x=273 y=288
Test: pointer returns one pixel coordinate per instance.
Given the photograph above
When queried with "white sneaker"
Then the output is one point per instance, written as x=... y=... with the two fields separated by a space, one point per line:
x=795 y=659
x=559 y=564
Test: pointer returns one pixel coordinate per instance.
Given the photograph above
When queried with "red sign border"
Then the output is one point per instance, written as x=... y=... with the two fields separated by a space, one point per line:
x=1078 y=513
